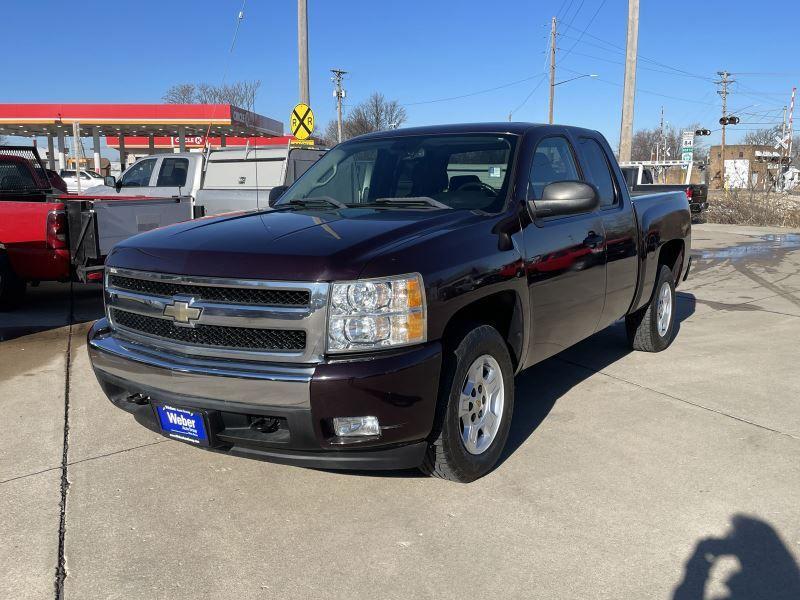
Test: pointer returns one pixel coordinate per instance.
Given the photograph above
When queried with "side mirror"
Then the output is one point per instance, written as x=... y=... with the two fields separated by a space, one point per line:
x=110 y=181
x=276 y=193
x=565 y=198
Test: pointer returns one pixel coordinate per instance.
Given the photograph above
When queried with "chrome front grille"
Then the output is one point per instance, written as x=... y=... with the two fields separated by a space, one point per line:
x=219 y=317
x=241 y=338
x=231 y=295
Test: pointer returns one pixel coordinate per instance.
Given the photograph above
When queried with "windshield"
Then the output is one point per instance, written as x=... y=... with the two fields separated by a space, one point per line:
x=426 y=172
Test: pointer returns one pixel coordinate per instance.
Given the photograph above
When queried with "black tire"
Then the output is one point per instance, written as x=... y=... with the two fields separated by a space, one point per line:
x=447 y=456
x=642 y=326
x=12 y=288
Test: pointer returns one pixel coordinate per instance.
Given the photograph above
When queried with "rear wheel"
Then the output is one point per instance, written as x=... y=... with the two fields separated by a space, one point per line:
x=475 y=407
x=652 y=328
x=12 y=288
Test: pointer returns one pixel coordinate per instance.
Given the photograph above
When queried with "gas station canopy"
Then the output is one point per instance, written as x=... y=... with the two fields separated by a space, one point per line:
x=120 y=121
x=172 y=120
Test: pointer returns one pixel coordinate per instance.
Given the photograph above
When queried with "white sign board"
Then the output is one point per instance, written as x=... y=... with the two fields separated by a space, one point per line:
x=737 y=173
x=687 y=146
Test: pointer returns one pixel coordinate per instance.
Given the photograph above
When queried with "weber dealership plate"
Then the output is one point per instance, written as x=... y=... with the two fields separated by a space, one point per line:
x=183 y=424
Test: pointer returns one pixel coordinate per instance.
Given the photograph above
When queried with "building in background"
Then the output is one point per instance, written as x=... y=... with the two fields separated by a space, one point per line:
x=746 y=166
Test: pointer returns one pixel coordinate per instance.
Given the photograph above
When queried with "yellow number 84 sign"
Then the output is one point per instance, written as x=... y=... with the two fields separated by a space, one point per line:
x=302 y=121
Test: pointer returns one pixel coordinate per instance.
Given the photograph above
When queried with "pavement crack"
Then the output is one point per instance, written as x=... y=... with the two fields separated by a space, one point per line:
x=682 y=400
x=83 y=460
x=61 y=570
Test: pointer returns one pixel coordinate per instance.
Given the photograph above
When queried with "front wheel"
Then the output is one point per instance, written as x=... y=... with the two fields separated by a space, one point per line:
x=652 y=328
x=475 y=407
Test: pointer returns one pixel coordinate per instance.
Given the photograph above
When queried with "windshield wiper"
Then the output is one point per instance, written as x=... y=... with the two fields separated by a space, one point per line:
x=316 y=200
x=412 y=201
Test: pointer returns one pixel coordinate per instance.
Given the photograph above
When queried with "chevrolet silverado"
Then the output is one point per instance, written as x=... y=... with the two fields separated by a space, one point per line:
x=376 y=315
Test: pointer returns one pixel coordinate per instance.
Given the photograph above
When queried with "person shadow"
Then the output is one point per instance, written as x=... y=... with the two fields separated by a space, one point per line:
x=767 y=570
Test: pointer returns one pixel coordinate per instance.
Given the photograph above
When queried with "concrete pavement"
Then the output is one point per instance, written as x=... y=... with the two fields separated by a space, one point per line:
x=628 y=475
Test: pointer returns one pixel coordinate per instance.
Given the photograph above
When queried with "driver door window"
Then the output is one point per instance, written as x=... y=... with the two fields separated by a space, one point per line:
x=139 y=174
x=553 y=161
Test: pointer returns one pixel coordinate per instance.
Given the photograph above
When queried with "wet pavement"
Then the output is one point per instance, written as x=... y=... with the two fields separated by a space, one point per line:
x=628 y=475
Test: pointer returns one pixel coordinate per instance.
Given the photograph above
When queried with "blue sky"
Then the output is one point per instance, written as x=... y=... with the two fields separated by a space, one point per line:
x=415 y=51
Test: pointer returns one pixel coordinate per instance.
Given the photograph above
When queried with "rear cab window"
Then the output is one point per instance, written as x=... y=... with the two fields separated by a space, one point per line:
x=173 y=172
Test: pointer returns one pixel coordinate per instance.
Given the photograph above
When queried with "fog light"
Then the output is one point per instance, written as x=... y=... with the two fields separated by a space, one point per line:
x=356 y=426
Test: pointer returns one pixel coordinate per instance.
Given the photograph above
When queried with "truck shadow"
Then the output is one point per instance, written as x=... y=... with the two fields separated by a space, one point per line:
x=762 y=566
x=538 y=388
x=51 y=306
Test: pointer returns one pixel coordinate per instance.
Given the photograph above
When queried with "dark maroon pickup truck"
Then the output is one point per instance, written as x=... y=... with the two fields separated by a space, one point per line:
x=375 y=317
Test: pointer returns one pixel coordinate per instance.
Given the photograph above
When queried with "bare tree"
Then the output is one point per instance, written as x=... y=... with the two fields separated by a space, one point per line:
x=646 y=141
x=763 y=137
x=181 y=93
x=376 y=113
x=329 y=134
x=241 y=93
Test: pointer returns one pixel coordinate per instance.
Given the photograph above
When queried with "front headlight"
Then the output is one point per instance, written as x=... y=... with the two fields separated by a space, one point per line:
x=371 y=314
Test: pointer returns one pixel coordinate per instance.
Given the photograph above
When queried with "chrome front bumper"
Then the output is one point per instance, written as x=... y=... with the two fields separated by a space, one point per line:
x=255 y=383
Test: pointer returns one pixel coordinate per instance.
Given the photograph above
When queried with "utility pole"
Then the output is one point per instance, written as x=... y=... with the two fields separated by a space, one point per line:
x=338 y=74
x=629 y=90
x=791 y=123
x=723 y=91
x=552 y=68
x=778 y=182
x=302 y=49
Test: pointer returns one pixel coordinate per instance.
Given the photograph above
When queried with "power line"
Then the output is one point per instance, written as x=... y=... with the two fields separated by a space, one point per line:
x=583 y=32
x=484 y=91
x=524 y=102
x=617 y=62
x=638 y=89
x=564 y=3
x=672 y=71
x=580 y=6
x=650 y=60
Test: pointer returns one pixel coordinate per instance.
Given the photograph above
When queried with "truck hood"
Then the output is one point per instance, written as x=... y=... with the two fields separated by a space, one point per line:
x=300 y=245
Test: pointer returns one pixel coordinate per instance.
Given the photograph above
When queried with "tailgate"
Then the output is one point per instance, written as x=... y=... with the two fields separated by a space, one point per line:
x=98 y=223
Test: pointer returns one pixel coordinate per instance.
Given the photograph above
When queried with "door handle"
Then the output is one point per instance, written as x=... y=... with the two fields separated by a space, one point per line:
x=593 y=240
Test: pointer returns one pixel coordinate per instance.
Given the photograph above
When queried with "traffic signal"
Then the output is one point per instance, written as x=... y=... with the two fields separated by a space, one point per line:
x=729 y=120
x=702 y=132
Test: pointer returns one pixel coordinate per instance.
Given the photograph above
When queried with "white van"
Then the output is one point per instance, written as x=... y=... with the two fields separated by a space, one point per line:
x=241 y=178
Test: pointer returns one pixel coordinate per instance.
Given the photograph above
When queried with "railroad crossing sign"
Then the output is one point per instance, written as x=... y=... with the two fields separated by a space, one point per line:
x=302 y=121
x=783 y=141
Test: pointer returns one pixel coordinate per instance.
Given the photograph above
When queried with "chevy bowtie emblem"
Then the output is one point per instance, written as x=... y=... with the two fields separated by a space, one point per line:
x=182 y=313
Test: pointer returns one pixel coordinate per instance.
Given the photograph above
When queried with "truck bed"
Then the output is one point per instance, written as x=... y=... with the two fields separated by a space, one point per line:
x=97 y=223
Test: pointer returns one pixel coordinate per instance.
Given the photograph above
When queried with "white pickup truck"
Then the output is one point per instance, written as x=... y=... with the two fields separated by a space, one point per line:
x=222 y=180
x=161 y=176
